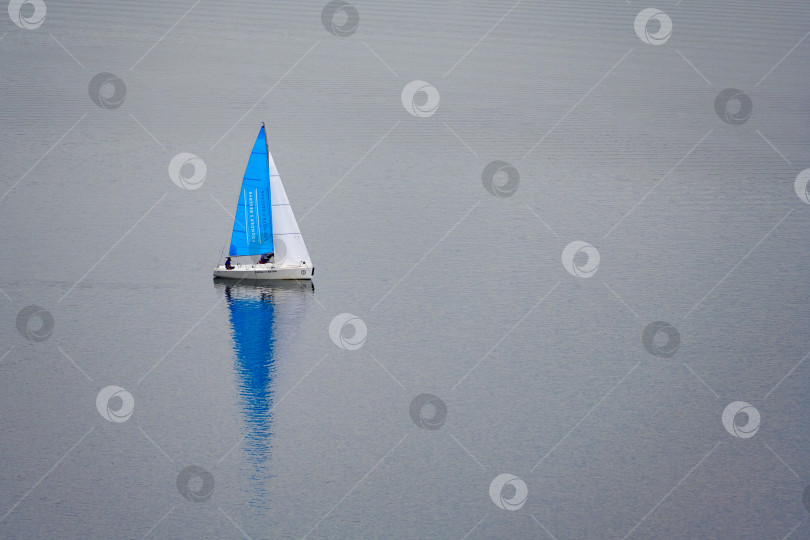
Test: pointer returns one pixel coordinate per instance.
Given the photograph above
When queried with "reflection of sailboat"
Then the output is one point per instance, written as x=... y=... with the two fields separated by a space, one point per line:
x=264 y=318
x=264 y=225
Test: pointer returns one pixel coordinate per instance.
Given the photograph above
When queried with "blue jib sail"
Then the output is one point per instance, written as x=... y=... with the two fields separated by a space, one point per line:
x=253 y=223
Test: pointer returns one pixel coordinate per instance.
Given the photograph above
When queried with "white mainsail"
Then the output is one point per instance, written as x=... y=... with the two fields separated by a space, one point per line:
x=288 y=243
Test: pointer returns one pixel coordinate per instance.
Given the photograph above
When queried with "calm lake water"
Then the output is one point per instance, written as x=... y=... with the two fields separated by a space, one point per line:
x=234 y=412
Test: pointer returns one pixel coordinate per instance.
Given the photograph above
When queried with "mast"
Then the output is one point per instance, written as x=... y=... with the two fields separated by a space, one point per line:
x=269 y=190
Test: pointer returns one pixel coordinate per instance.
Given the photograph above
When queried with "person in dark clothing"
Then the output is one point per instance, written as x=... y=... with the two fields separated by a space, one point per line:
x=266 y=258
x=228 y=264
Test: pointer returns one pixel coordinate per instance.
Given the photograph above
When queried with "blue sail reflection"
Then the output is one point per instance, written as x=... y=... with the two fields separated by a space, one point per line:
x=264 y=318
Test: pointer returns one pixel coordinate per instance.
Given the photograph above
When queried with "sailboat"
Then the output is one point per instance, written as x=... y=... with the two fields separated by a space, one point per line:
x=264 y=225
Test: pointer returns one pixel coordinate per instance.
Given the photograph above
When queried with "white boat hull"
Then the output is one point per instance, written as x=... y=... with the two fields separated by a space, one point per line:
x=264 y=272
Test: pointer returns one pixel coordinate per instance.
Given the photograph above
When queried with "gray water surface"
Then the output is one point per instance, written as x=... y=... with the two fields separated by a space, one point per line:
x=610 y=139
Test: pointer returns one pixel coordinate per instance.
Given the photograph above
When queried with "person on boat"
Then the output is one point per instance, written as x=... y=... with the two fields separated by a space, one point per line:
x=266 y=258
x=228 y=264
